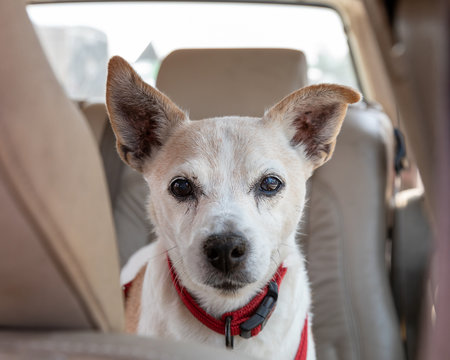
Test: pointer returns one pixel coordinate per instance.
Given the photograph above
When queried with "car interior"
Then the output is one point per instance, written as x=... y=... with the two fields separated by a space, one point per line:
x=375 y=232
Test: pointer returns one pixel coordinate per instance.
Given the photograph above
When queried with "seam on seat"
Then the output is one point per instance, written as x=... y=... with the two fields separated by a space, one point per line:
x=353 y=323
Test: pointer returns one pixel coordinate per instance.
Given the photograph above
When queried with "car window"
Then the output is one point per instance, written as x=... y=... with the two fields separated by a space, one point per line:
x=79 y=38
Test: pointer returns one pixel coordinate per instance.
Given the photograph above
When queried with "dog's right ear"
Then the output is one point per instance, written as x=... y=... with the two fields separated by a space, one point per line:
x=142 y=118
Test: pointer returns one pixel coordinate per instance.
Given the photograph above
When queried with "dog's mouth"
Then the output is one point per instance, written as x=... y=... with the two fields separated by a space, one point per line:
x=228 y=284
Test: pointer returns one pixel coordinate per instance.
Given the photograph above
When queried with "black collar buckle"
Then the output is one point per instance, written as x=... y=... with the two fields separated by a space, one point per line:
x=262 y=313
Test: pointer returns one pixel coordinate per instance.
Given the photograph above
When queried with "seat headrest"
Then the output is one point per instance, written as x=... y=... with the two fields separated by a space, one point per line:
x=220 y=82
x=58 y=258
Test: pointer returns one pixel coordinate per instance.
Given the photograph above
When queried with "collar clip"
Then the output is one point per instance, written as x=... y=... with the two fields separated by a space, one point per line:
x=263 y=312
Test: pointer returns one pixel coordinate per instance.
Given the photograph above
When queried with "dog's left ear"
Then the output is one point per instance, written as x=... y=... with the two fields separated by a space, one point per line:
x=142 y=118
x=312 y=118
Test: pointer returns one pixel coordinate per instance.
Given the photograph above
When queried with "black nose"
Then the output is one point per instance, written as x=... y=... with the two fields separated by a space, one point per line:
x=226 y=252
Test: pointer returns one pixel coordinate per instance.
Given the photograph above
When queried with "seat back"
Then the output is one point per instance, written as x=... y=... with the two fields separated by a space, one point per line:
x=58 y=260
x=230 y=81
x=345 y=226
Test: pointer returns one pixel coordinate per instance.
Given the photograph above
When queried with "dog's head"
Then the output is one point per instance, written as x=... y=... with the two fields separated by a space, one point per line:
x=226 y=194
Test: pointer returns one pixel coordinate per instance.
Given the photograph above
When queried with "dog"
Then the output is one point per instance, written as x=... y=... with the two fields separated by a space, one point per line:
x=226 y=198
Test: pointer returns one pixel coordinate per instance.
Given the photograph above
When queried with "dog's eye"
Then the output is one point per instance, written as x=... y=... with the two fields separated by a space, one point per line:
x=181 y=188
x=270 y=185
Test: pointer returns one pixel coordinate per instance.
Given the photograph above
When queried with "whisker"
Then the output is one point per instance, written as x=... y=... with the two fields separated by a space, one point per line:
x=164 y=252
x=275 y=265
x=173 y=247
x=178 y=273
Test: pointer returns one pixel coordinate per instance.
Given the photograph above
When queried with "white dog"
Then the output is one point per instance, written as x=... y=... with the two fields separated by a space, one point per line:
x=226 y=196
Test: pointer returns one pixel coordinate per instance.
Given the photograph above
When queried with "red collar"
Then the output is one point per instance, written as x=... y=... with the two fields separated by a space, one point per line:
x=231 y=323
x=247 y=321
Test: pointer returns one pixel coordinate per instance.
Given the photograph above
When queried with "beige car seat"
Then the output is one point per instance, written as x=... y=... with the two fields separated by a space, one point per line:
x=60 y=296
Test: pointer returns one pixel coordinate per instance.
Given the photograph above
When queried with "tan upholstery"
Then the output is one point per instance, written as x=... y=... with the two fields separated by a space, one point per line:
x=230 y=81
x=97 y=119
x=94 y=346
x=346 y=223
x=58 y=260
